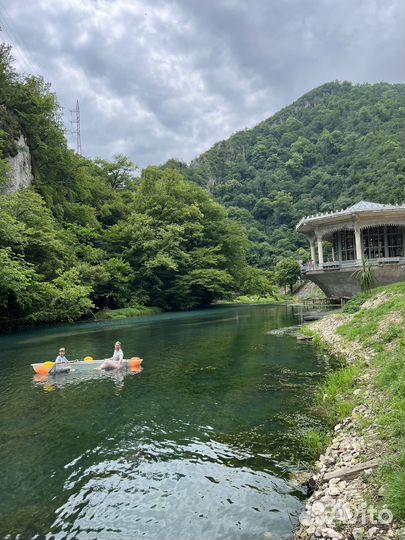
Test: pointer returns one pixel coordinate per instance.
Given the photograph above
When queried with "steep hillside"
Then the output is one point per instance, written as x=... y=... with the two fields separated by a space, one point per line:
x=335 y=145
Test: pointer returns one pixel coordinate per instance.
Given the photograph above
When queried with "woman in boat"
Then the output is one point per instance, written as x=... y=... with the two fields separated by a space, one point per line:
x=60 y=360
x=117 y=359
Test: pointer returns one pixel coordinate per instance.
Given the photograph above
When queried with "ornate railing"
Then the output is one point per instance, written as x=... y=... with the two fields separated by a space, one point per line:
x=337 y=265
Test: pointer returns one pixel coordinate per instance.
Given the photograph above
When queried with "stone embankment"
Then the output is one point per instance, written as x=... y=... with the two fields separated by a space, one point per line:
x=346 y=499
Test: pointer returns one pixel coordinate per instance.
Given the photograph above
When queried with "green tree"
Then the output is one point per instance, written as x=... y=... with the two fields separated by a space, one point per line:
x=182 y=248
x=256 y=281
x=120 y=172
x=65 y=299
x=288 y=272
x=112 y=283
x=19 y=286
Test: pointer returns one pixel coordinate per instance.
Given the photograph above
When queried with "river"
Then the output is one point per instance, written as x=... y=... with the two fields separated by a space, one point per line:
x=197 y=446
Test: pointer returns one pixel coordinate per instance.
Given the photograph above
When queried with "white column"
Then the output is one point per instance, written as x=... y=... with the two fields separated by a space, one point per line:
x=359 y=248
x=339 y=246
x=320 y=251
x=313 y=254
x=403 y=241
x=386 y=250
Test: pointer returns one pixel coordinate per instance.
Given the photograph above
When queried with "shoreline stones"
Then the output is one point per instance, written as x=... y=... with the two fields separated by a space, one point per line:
x=339 y=508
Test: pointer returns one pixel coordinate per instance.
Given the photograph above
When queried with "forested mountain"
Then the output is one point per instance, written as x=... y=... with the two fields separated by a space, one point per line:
x=90 y=234
x=334 y=146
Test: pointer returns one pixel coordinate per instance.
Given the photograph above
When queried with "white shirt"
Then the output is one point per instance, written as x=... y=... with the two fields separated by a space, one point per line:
x=118 y=355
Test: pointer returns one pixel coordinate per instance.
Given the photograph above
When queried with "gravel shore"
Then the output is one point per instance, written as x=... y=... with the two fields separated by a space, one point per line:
x=348 y=507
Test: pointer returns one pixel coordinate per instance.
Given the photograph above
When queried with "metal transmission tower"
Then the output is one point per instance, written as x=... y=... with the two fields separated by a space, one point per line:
x=76 y=121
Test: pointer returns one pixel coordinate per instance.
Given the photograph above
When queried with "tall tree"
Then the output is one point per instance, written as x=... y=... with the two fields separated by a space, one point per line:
x=120 y=172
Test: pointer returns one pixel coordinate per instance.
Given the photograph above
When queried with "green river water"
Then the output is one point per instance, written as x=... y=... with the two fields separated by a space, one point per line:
x=199 y=445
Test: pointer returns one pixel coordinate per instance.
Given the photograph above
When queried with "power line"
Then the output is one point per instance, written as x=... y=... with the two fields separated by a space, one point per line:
x=13 y=29
x=6 y=26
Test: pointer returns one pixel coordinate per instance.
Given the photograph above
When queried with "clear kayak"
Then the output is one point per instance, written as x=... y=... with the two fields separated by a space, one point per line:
x=50 y=368
x=78 y=376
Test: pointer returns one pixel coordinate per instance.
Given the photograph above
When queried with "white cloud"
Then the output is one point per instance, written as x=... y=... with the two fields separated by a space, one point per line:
x=159 y=79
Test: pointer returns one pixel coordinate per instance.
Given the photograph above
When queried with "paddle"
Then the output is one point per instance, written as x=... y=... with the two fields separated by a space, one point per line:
x=52 y=365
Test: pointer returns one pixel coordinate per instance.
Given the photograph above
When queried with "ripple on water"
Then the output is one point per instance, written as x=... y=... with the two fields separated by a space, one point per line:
x=121 y=499
x=195 y=447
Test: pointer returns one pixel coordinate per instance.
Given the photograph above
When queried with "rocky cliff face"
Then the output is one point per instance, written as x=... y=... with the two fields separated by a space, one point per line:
x=20 y=167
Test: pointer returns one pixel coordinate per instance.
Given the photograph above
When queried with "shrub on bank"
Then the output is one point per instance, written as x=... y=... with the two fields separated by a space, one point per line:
x=125 y=313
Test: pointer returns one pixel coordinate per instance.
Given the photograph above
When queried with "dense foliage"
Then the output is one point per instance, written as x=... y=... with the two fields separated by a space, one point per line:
x=90 y=234
x=336 y=145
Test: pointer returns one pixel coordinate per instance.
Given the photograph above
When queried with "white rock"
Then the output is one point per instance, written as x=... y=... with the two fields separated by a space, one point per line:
x=331 y=533
x=20 y=167
x=305 y=520
x=372 y=532
x=334 y=490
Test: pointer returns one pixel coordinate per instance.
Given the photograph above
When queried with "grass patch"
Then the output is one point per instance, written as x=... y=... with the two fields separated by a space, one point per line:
x=334 y=399
x=390 y=417
x=379 y=328
x=393 y=480
x=365 y=324
x=315 y=442
x=393 y=332
x=125 y=313
x=338 y=383
x=354 y=305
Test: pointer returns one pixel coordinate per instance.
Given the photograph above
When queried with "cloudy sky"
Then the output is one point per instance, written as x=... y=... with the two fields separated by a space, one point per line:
x=159 y=79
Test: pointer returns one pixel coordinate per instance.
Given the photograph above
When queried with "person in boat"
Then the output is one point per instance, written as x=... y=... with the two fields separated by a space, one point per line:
x=60 y=360
x=117 y=359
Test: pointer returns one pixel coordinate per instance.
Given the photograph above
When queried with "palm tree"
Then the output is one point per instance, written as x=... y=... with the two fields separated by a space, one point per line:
x=365 y=275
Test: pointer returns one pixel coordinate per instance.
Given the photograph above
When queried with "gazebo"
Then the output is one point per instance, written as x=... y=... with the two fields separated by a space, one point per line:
x=365 y=230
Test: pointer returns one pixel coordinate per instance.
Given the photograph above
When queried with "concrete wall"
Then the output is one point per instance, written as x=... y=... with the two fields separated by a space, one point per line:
x=338 y=283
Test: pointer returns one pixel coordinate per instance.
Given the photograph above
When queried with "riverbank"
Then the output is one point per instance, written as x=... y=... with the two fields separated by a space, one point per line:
x=359 y=476
x=254 y=299
x=302 y=291
x=125 y=313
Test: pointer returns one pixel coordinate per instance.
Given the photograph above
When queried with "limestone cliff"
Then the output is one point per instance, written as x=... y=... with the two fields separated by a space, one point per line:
x=20 y=167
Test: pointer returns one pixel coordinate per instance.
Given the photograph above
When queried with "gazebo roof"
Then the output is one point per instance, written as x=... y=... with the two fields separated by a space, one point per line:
x=362 y=208
x=367 y=205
